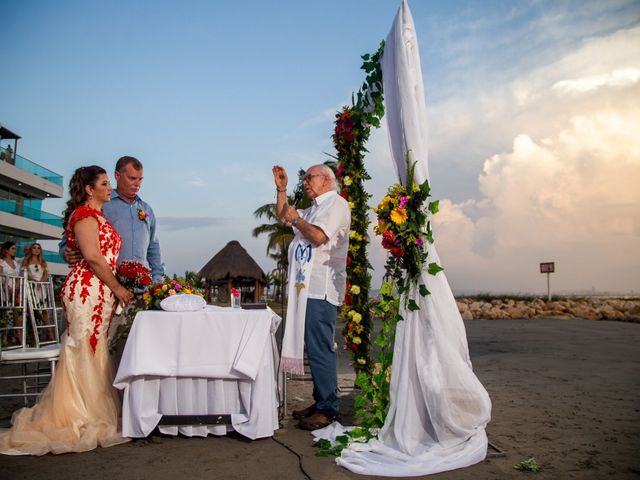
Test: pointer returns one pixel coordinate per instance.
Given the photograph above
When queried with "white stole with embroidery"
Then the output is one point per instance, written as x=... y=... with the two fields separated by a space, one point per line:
x=300 y=264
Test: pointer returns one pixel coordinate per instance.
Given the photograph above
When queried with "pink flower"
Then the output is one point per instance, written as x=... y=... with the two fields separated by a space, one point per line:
x=419 y=241
x=234 y=292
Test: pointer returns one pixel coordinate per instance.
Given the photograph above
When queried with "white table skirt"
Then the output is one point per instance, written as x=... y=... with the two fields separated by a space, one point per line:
x=215 y=361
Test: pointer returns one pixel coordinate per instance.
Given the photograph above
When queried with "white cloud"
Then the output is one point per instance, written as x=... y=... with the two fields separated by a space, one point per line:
x=565 y=190
x=170 y=223
x=572 y=198
x=616 y=78
x=198 y=182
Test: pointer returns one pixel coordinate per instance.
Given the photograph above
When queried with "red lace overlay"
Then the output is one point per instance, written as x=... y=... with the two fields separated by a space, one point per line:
x=84 y=296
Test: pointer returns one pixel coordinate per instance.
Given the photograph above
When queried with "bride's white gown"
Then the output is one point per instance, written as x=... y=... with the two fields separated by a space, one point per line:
x=80 y=409
x=439 y=408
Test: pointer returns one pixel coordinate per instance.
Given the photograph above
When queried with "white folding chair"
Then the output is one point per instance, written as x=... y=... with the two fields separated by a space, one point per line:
x=41 y=303
x=11 y=311
x=16 y=297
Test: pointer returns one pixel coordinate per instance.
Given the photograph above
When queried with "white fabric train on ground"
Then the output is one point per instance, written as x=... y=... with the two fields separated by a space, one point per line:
x=439 y=408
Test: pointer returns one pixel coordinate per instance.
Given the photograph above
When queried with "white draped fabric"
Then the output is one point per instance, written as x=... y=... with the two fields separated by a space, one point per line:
x=214 y=361
x=439 y=408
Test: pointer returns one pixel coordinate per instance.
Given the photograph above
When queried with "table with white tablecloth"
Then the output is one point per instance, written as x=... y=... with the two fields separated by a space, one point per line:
x=216 y=361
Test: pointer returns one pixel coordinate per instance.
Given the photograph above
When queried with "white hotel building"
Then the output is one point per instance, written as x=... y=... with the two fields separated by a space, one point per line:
x=24 y=185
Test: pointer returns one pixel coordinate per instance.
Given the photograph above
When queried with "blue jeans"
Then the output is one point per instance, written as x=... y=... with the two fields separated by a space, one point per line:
x=318 y=339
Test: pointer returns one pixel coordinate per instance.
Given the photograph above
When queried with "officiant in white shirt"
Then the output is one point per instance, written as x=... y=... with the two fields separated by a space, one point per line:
x=317 y=280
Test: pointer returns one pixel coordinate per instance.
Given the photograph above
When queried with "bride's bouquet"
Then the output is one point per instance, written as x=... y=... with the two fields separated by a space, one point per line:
x=133 y=275
x=137 y=277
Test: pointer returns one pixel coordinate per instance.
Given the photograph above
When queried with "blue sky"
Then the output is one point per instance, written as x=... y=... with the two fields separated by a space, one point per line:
x=210 y=94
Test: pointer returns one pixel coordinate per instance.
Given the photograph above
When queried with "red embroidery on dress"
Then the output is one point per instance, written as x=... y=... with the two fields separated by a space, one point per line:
x=87 y=277
x=80 y=280
x=97 y=317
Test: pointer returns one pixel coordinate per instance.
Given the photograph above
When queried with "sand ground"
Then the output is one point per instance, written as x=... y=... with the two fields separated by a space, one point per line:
x=563 y=391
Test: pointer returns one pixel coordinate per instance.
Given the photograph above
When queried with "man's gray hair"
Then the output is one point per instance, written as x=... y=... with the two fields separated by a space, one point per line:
x=325 y=170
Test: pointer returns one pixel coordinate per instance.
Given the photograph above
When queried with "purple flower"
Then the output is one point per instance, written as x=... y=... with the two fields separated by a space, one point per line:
x=403 y=201
x=419 y=241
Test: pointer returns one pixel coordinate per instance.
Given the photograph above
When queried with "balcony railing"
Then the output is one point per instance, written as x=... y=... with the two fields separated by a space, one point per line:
x=16 y=208
x=31 y=167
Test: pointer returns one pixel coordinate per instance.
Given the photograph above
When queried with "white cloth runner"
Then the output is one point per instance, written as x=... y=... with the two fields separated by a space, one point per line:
x=439 y=409
x=200 y=363
x=300 y=268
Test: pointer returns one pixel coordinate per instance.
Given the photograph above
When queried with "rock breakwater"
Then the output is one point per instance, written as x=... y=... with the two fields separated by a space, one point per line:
x=588 y=308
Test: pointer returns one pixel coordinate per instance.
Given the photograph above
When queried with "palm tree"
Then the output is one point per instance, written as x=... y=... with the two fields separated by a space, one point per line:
x=277 y=280
x=279 y=236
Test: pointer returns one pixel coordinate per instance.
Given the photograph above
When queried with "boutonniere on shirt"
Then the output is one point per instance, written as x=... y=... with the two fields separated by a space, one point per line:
x=142 y=215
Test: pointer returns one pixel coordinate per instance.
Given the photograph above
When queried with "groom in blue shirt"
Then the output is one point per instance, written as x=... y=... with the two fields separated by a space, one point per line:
x=132 y=218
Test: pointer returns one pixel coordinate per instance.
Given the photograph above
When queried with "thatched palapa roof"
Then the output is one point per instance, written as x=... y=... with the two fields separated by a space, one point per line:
x=232 y=261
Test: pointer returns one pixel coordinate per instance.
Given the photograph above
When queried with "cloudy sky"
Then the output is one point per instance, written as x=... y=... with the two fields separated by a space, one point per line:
x=534 y=120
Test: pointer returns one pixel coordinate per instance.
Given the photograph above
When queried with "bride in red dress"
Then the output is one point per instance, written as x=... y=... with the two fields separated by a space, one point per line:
x=80 y=409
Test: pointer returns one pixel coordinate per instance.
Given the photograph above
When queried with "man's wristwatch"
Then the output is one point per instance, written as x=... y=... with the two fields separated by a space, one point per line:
x=294 y=222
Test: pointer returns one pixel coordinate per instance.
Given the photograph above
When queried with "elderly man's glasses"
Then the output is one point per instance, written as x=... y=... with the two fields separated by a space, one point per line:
x=308 y=177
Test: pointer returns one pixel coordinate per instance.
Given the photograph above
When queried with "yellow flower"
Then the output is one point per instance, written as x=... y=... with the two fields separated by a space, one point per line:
x=382 y=227
x=357 y=340
x=352 y=205
x=355 y=289
x=172 y=292
x=356 y=317
x=164 y=287
x=355 y=236
x=347 y=181
x=384 y=203
x=399 y=216
x=361 y=361
x=186 y=290
x=416 y=188
x=358 y=329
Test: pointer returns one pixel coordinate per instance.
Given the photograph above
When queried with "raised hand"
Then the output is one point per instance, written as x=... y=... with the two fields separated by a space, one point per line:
x=280 y=177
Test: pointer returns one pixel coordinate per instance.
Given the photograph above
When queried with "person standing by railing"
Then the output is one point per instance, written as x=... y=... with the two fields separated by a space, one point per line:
x=9 y=266
x=8 y=155
x=37 y=271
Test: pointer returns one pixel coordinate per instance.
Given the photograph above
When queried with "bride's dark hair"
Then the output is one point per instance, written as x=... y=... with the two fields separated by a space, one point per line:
x=82 y=177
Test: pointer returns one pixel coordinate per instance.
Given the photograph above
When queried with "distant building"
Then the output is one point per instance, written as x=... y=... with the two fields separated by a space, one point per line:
x=24 y=185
